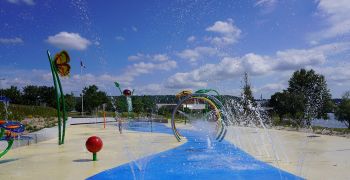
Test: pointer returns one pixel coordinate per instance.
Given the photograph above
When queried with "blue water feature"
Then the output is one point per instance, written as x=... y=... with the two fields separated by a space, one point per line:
x=195 y=160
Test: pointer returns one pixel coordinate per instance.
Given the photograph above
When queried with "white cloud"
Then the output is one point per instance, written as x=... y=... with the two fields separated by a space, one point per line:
x=23 y=77
x=256 y=64
x=228 y=33
x=233 y=67
x=294 y=59
x=145 y=68
x=151 y=89
x=134 y=29
x=160 y=57
x=337 y=17
x=313 y=42
x=104 y=81
x=271 y=88
x=181 y=81
x=148 y=64
x=223 y=27
x=69 y=41
x=27 y=2
x=137 y=57
x=228 y=68
x=339 y=73
x=147 y=57
x=191 y=39
x=120 y=38
x=199 y=52
x=15 y=40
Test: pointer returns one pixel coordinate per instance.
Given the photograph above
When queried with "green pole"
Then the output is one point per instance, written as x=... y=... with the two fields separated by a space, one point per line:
x=54 y=76
x=94 y=156
x=64 y=118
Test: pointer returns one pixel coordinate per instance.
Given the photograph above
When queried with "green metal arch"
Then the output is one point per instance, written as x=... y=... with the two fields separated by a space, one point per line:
x=222 y=110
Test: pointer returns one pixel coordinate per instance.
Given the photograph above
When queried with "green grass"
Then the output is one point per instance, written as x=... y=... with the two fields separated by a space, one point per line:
x=20 y=112
x=33 y=117
x=341 y=130
x=288 y=123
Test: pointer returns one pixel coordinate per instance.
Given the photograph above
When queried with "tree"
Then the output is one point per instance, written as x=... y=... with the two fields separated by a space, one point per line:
x=149 y=104
x=343 y=111
x=313 y=88
x=70 y=102
x=247 y=95
x=288 y=104
x=35 y=95
x=47 y=96
x=165 y=111
x=137 y=104
x=121 y=104
x=307 y=97
x=13 y=93
x=93 y=98
x=31 y=95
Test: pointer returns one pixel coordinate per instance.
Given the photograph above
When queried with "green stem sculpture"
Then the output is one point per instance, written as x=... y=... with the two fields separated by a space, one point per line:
x=118 y=86
x=206 y=91
x=9 y=145
x=60 y=102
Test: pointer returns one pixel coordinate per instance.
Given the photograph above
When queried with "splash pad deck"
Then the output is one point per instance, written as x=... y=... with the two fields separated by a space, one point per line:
x=195 y=159
x=46 y=160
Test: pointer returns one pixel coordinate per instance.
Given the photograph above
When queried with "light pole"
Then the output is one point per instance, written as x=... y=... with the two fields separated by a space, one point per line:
x=38 y=101
x=82 y=91
x=82 y=103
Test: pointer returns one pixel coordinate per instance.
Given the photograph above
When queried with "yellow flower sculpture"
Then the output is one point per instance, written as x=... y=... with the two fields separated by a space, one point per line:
x=62 y=63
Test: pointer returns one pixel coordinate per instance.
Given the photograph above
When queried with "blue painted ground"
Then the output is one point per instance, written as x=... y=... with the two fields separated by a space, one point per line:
x=195 y=160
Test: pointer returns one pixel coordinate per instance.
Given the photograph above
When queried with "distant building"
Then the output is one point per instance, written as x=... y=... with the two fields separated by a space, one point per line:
x=189 y=106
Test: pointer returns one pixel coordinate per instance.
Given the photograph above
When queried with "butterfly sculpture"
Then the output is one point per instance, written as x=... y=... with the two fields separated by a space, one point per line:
x=60 y=66
x=61 y=62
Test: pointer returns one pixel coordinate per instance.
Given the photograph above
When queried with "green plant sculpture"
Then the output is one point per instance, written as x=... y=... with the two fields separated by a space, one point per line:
x=59 y=66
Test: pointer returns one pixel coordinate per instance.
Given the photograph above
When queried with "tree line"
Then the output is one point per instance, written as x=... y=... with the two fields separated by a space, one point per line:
x=307 y=97
x=36 y=96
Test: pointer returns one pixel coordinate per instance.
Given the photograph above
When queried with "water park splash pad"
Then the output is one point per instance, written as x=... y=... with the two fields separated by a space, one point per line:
x=195 y=159
x=204 y=155
x=159 y=48
x=200 y=121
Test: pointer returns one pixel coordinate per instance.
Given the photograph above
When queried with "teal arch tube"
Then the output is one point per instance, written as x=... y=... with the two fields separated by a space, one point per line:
x=224 y=122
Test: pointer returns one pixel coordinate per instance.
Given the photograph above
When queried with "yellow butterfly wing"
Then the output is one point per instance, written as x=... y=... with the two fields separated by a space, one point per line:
x=61 y=62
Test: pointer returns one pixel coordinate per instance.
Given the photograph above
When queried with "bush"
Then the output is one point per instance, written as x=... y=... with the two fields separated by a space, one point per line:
x=19 y=112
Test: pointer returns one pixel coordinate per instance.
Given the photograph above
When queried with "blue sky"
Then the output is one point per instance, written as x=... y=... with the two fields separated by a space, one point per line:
x=163 y=46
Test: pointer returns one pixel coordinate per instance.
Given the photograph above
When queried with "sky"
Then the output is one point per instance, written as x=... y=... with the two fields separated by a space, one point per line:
x=164 y=46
